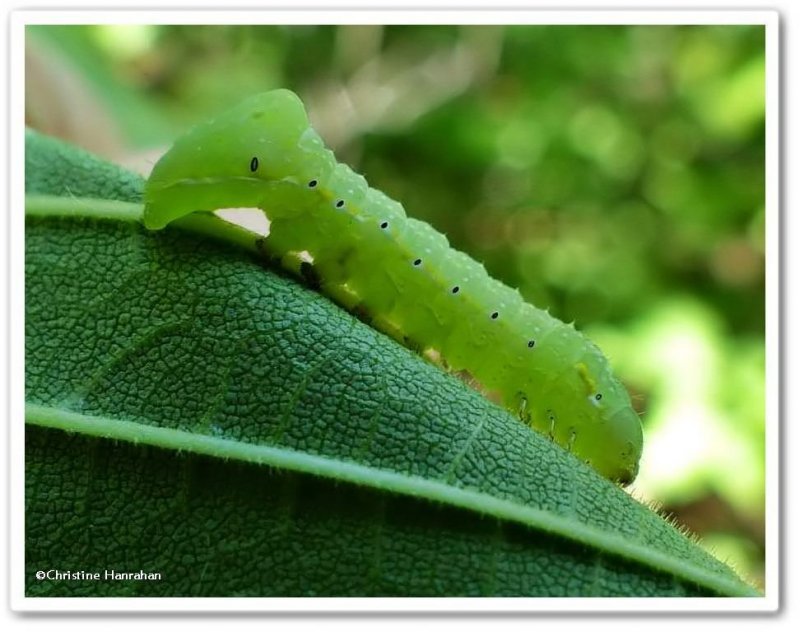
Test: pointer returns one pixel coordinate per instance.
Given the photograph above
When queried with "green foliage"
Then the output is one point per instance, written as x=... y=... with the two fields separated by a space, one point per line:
x=241 y=435
x=83 y=48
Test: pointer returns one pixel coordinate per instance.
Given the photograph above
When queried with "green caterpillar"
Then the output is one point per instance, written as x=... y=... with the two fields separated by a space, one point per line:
x=371 y=257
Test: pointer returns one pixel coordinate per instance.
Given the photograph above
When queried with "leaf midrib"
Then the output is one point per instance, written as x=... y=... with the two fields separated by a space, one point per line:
x=383 y=480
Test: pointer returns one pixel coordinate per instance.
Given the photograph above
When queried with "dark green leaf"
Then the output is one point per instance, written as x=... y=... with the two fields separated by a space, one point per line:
x=196 y=414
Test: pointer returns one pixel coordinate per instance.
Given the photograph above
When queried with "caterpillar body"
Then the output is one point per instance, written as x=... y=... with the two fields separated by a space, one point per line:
x=264 y=154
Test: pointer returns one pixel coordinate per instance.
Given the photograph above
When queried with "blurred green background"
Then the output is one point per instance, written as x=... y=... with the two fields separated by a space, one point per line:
x=612 y=173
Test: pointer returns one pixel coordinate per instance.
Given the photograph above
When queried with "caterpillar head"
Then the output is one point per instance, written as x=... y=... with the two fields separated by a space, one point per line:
x=225 y=162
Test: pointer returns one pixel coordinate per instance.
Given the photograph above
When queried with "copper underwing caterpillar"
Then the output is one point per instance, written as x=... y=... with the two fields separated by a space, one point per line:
x=264 y=154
